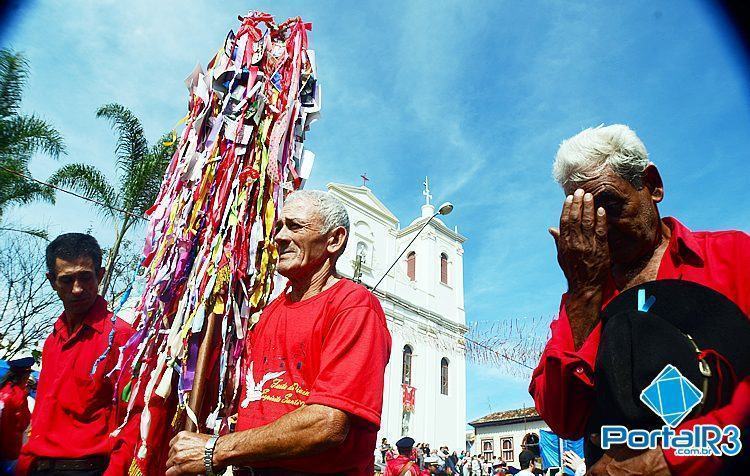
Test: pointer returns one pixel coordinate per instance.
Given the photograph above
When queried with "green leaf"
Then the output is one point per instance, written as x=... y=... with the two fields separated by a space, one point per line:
x=89 y=182
x=14 y=69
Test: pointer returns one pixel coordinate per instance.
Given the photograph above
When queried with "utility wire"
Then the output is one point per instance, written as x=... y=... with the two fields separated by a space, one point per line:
x=101 y=204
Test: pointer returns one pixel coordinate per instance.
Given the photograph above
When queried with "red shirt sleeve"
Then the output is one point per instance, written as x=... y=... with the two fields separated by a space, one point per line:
x=355 y=350
x=562 y=385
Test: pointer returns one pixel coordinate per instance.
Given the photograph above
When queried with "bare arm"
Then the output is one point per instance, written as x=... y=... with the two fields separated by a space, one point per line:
x=306 y=431
x=583 y=308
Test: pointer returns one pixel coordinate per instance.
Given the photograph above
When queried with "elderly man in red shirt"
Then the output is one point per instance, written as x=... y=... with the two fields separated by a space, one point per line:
x=74 y=412
x=314 y=363
x=611 y=238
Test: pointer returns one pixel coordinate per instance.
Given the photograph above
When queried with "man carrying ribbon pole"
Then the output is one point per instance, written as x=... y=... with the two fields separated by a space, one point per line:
x=209 y=258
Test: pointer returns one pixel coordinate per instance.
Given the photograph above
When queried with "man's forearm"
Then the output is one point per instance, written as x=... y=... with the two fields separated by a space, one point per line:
x=306 y=431
x=583 y=308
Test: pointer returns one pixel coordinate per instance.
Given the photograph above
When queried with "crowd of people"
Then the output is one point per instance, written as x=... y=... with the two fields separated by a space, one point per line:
x=409 y=458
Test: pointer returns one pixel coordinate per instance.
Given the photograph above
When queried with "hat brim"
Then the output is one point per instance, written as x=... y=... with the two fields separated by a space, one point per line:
x=21 y=363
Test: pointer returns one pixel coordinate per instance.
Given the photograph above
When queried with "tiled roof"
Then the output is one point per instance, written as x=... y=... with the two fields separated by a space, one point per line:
x=507 y=416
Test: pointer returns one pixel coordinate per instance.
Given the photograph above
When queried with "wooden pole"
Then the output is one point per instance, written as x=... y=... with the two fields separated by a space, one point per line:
x=201 y=372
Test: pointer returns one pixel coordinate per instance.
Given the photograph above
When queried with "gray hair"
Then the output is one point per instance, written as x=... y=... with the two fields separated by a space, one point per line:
x=330 y=208
x=588 y=153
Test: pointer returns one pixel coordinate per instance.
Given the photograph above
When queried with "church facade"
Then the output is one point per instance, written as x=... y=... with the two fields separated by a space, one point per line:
x=423 y=299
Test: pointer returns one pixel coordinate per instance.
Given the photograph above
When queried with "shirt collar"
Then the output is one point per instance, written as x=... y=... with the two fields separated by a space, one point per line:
x=95 y=319
x=682 y=244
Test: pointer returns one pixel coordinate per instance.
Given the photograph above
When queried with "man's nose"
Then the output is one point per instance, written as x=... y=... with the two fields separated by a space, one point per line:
x=77 y=287
x=282 y=235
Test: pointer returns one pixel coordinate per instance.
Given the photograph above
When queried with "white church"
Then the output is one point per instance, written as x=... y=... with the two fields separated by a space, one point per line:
x=423 y=299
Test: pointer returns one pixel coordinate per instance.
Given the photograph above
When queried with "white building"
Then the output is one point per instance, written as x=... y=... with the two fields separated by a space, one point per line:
x=503 y=434
x=423 y=300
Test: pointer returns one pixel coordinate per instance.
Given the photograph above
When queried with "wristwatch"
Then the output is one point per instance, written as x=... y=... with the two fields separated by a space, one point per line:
x=208 y=457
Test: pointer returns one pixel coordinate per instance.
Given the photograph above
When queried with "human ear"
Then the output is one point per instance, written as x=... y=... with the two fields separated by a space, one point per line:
x=337 y=240
x=652 y=181
x=100 y=275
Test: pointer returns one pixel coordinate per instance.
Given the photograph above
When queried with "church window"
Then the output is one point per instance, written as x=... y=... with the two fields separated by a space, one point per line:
x=411 y=266
x=406 y=373
x=443 y=268
x=444 y=376
x=506 y=445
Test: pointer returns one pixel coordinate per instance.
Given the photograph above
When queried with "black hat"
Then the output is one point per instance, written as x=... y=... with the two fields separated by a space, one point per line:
x=405 y=442
x=671 y=322
x=21 y=363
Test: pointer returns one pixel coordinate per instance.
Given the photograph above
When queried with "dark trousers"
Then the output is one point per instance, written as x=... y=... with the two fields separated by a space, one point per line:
x=94 y=466
x=275 y=472
x=69 y=472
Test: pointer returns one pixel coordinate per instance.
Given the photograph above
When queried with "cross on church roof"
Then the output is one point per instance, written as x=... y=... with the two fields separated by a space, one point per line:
x=364 y=179
x=426 y=191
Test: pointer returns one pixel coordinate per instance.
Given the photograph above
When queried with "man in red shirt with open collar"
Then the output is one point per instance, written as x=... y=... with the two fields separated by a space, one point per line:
x=611 y=238
x=314 y=364
x=75 y=412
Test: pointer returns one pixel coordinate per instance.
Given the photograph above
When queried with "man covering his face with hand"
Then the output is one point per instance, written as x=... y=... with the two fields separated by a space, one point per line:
x=611 y=237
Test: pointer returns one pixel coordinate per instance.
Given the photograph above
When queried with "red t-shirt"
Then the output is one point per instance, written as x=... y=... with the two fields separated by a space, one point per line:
x=14 y=418
x=396 y=465
x=562 y=385
x=331 y=350
x=74 y=412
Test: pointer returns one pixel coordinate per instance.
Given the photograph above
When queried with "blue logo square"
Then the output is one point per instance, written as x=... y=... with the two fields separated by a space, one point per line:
x=671 y=396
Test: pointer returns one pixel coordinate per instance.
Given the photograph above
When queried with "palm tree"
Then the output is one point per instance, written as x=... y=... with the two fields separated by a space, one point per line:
x=141 y=171
x=20 y=137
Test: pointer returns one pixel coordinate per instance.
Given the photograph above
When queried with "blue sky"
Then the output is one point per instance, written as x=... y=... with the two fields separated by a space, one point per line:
x=477 y=95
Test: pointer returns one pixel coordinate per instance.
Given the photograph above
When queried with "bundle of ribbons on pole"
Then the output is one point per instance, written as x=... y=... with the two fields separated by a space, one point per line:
x=209 y=257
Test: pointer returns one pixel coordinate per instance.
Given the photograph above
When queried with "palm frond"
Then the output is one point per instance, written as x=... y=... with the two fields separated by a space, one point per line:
x=35 y=232
x=14 y=70
x=90 y=182
x=131 y=146
x=17 y=190
x=143 y=186
x=28 y=134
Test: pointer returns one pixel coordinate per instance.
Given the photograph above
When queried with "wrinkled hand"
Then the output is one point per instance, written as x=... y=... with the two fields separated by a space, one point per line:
x=582 y=249
x=186 y=454
x=624 y=461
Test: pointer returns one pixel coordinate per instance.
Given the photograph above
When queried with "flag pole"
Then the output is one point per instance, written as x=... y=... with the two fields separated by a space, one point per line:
x=201 y=370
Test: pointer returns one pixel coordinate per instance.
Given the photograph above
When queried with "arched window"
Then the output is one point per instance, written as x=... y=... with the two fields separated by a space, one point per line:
x=411 y=266
x=488 y=451
x=506 y=446
x=406 y=372
x=444 y=376
x=443 y=268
